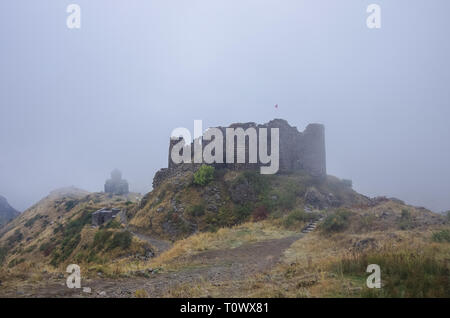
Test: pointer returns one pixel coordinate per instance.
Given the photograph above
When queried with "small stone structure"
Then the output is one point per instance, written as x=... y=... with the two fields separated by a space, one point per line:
x=104 y=215
x=298 y=151
x=116 y=185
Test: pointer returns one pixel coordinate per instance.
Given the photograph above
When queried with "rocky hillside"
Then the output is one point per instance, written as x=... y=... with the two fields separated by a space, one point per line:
x=230 y=230
x=179 y=207
x=7 y=212
x=57 y=230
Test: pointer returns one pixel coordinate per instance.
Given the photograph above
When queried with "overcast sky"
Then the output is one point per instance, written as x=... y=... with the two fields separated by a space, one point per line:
x=74 y=104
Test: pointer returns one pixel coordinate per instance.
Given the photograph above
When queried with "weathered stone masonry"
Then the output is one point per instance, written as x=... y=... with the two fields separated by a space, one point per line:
x=116 y=185
x=104 y=215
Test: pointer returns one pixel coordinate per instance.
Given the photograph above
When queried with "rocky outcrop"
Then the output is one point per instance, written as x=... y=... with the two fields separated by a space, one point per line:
x=364 y=244
x=7 y=212
x=242 y=191
x=318 y=200
x=178 y=172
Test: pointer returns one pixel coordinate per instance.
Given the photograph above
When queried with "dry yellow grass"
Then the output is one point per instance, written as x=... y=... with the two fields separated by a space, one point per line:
x=313 y=255
x=225 y=238
x=141 y=293
x=304 y=270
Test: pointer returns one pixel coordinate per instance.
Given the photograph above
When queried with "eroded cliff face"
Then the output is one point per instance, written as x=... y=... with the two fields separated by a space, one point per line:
x=297 y=151
x=7 y=212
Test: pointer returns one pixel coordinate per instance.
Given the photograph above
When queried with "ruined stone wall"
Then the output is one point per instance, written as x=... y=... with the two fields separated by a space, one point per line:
x=104 y=215
x=298 y=151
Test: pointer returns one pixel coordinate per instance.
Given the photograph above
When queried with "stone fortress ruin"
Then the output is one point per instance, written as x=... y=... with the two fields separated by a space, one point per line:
x=116 y=185
x=297 y=151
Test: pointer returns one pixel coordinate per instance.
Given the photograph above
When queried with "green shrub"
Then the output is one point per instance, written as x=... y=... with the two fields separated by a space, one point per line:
x=286 y=200
x=16 y=237
x=69 y=205
x=74 y=227
x=121 y=240
x=441 y=236
x=229 y=217
x=204 y=175
x=241 y=213
x=93 y=257
x=68 y=245
x=258 y=182
x=336 y=222
x=46 y=248
x=287 y=195
x=197 y=210
x=405 y=220
x=293 y=218
x=297 y=217
x=110 y=240
x=45 y=223
x=58 y=228
x=101 y=238
x=55 y=259
x=31 y=221
x=113 y=224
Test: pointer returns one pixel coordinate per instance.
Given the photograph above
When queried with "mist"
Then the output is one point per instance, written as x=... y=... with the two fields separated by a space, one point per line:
x=77 y=103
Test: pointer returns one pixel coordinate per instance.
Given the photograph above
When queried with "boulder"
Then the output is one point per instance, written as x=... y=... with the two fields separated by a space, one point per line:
x=242 y=192
x=364 y=244
x=315 y=199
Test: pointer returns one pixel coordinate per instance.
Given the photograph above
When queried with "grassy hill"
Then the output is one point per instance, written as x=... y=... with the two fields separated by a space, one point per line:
x=234 y=234
x=57 y=231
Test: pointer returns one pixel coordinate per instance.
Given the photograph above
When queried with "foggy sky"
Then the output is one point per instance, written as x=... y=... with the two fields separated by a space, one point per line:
x=74 y=104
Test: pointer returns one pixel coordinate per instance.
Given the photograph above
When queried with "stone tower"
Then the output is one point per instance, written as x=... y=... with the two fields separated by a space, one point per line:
x=314 y=155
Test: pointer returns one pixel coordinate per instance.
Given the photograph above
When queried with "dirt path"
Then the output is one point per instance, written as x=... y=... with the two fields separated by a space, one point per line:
x=161 y=245
x=215 y=267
